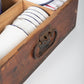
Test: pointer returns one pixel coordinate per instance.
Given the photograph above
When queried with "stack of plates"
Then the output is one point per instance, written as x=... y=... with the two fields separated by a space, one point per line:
x=24 y=24
x=30 y=19
x=51 y=4
x=41 y=2
x=54 y=5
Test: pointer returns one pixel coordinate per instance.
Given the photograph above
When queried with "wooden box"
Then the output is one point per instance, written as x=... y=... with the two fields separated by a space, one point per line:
x=29 y=54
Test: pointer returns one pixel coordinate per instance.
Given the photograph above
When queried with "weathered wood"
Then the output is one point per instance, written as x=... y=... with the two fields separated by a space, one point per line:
x=9 y=15
x=7 y=4
x=20 y=62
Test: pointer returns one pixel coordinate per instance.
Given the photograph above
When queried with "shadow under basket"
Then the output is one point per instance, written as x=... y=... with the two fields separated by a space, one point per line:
x=18 y=65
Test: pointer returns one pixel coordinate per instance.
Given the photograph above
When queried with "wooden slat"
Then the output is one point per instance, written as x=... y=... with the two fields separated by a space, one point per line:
x=45 y=23
x=9 y=15
x=19 y=63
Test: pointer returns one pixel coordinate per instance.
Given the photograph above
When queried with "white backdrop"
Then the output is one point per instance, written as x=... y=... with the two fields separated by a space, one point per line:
x=65 y=65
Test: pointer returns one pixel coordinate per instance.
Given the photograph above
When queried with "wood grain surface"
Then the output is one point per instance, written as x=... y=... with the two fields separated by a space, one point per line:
x=20 y=62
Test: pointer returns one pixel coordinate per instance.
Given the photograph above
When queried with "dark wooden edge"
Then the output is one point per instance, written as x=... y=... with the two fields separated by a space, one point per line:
x=22 y=63
x=6 y=4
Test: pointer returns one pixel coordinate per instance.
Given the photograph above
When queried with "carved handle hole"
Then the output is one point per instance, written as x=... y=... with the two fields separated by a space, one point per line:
x=46 y=40
x=45 y=37
x=49 y=33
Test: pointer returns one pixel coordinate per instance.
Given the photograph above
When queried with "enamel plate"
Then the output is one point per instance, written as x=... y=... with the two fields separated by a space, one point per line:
x=33 y=16
x=27 y=26
x=40 y=2
x=33 y=21
x=36 y=13
x=39 y=10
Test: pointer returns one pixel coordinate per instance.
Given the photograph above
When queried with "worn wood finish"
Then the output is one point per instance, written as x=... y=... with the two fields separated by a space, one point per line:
x=7 y=4
x=20 y=62
x=9 y=15
x=28 y=4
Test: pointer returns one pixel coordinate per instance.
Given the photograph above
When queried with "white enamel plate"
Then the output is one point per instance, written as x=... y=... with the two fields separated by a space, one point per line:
x=41 y=2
